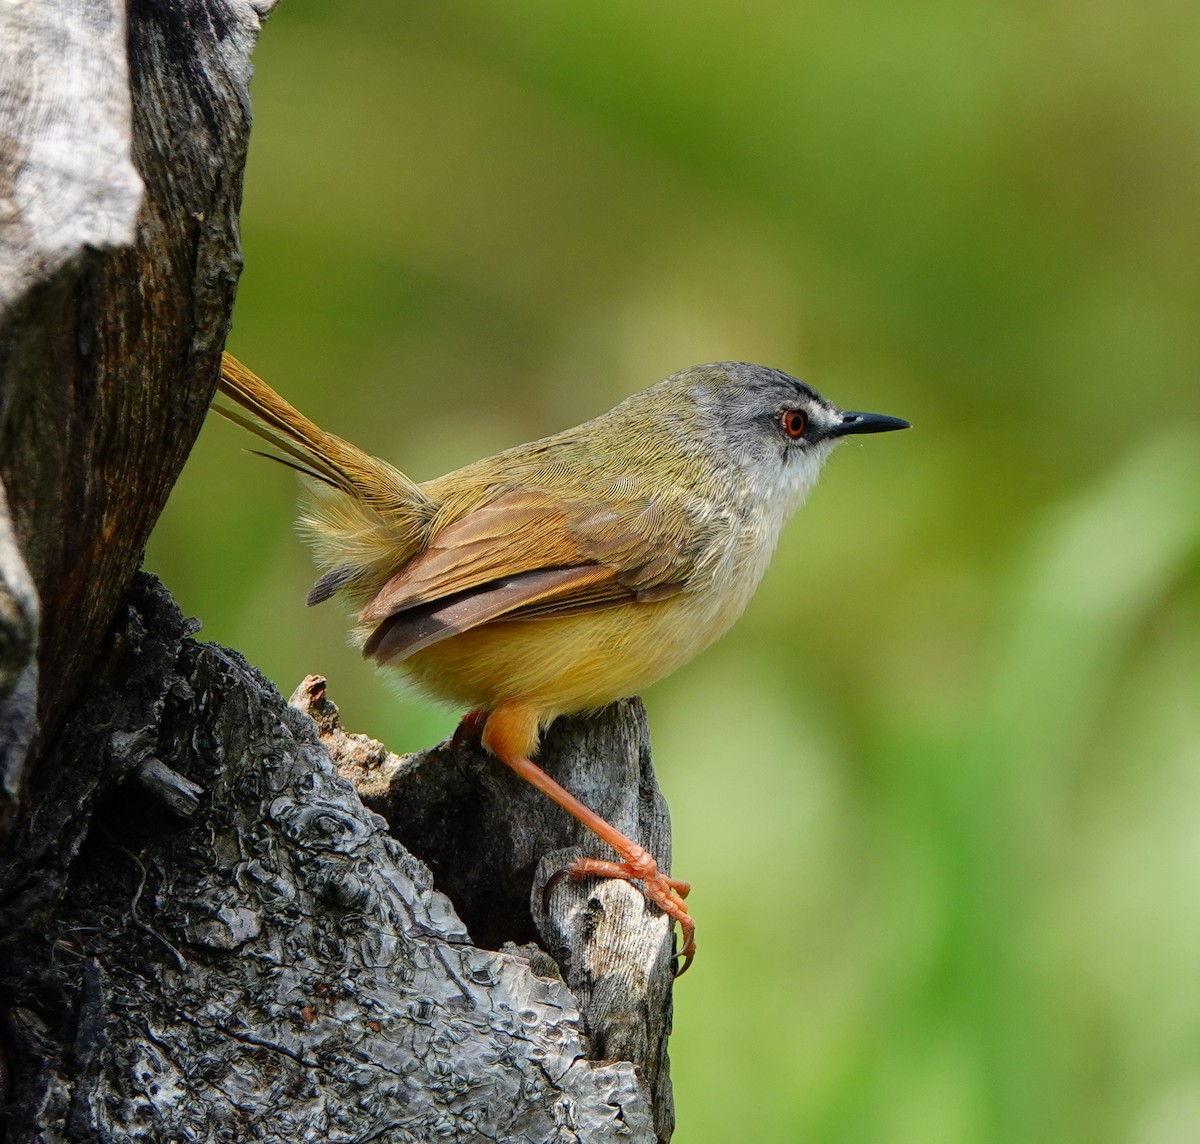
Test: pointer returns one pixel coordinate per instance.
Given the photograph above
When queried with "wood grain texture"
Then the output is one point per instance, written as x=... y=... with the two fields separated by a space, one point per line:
x=118 y=263
x=67 y=177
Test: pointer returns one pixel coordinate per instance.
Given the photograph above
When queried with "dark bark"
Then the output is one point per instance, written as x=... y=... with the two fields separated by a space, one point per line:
x=204 y=934
x=492 y=842
x=276 y=965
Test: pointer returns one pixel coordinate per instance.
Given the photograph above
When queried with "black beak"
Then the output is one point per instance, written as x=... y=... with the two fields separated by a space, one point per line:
x=866 y=423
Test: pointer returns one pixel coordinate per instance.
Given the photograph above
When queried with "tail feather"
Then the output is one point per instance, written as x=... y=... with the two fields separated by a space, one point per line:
x=365 y=517
x=334 y=460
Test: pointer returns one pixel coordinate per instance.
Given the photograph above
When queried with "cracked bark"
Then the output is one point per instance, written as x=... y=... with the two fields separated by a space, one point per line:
x=204 y=932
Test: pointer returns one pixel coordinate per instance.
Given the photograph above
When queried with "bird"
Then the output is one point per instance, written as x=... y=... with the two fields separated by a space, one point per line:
x=558 y=576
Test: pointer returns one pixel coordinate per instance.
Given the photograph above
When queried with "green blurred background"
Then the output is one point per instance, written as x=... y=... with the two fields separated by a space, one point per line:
x=939 y=791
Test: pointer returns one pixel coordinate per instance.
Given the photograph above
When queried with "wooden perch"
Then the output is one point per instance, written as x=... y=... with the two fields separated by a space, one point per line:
x=493 y=842
x=278 y=958
x=204 y=933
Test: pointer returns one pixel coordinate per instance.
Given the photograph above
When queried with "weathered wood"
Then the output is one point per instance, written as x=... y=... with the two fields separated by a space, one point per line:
x=19 y=614
x=491 y=839
x=279 y=960
x=118 y=263
x=67 y=178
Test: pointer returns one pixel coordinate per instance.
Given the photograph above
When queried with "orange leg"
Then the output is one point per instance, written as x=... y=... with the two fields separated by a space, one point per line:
x=510 y=733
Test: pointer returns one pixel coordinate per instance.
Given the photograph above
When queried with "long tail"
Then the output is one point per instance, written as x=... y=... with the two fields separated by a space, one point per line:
x=365 y=519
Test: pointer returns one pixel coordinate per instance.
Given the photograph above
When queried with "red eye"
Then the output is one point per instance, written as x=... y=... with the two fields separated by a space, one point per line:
x=794 y=422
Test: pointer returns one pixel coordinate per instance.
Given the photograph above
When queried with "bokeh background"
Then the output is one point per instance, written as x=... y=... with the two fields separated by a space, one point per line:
x=939 y=791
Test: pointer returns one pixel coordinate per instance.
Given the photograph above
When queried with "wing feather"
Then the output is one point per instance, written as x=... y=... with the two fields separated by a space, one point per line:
x=519 y=532
x=530 y=555
x=412 y=629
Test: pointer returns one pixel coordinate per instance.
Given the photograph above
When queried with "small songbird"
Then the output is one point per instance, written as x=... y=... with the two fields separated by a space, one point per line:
x=562 y=575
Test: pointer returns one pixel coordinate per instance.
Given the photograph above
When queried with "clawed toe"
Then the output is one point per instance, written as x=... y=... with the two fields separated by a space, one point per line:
x=687 y=951
x=666 y=893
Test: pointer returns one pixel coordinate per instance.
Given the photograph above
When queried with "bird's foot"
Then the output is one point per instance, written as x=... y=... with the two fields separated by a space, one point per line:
x=506 y=735
x=666 y=893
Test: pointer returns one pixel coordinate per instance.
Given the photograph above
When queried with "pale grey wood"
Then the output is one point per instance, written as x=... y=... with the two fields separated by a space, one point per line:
x=67 y=178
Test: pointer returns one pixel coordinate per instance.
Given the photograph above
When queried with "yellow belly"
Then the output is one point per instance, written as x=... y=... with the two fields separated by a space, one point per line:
x=577 y=663
x=573 y=663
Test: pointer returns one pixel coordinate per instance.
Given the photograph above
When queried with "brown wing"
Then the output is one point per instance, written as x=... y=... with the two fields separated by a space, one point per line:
x=408 y=631
x=526 y=555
